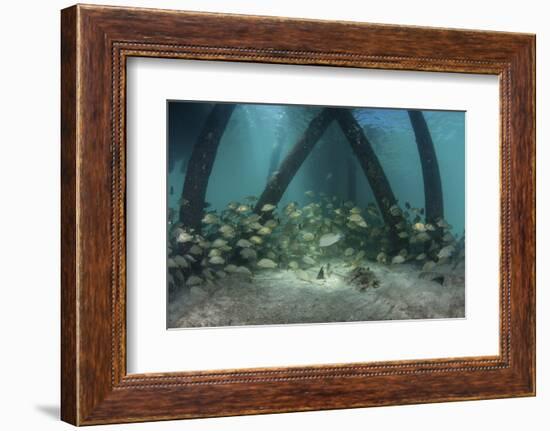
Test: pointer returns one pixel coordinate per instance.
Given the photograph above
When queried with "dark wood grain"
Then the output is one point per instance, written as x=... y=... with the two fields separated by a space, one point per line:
x=96 y=41
x=68 y=218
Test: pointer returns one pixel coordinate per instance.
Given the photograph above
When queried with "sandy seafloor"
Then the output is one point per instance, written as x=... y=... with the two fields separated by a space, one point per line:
x=276 y=296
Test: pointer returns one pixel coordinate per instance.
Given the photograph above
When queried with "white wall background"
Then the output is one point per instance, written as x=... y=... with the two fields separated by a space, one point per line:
x=29 y=215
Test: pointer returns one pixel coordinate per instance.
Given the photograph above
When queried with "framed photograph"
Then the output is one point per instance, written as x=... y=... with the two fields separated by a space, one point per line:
x=264 y=214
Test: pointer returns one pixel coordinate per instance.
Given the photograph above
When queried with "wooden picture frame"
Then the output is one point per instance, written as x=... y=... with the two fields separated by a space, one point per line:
x=95 y=43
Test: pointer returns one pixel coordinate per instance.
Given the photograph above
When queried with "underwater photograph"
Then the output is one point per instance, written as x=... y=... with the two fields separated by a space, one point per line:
x=296 y=214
